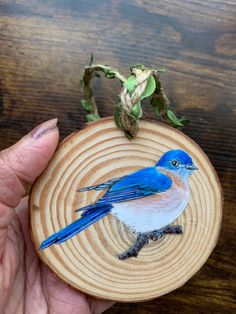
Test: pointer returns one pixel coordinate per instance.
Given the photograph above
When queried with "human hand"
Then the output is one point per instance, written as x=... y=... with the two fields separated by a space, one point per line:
x=27 y=285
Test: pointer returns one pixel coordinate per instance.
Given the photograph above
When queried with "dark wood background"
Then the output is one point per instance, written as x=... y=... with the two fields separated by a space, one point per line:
x=44 y=47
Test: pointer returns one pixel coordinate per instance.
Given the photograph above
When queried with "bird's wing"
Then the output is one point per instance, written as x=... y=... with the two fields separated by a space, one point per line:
x=145 y=182
x=102 y=186
x=142 y=183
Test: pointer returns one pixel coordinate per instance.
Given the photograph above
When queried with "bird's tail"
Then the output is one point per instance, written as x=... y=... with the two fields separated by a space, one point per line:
x=90 y=216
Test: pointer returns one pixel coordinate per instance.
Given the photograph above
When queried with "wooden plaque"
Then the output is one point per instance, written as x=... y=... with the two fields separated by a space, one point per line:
x=88 y=261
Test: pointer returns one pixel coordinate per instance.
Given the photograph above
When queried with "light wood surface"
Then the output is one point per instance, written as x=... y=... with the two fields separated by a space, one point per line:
x=88 y=261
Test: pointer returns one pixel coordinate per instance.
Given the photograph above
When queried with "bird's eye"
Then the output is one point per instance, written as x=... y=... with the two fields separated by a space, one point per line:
x=175 y=163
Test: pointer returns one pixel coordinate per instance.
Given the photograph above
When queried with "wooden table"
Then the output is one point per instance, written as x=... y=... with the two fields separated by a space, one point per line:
x=46 y=44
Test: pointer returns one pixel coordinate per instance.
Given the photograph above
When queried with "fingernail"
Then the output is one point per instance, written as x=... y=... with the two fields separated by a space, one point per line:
x=44 y=128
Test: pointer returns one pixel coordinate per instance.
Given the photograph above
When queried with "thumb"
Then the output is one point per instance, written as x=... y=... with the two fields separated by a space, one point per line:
x=24 y=161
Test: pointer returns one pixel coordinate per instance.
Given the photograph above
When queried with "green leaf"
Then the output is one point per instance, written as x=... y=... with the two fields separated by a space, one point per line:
x=81 y=83
x=131 y=83
x=150 y=88
x=161 y=70
x=136 y=110
x=86 y=105
x=110 y=74
x=173 y=119
x=117 y=116
x=92 y=117
x=185 y=121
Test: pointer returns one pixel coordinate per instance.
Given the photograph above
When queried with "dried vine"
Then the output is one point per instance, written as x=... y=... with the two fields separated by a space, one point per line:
x=142 y=83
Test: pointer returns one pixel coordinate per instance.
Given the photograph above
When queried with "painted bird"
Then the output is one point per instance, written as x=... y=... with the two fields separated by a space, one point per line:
x=146 y=201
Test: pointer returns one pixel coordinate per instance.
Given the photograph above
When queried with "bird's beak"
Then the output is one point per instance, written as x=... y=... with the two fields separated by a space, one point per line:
x=191 y=167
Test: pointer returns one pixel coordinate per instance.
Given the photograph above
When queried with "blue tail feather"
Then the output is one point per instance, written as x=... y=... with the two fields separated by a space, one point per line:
x=77 y=226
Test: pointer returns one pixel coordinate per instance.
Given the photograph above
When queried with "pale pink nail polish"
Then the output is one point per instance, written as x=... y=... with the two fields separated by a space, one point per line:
x=44 y=128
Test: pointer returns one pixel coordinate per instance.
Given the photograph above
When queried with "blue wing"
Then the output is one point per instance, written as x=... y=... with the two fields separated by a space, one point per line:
x=144 y=182
x=102 y=186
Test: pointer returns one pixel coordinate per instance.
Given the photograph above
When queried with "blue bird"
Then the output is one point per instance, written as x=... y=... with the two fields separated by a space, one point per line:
x=146 y=201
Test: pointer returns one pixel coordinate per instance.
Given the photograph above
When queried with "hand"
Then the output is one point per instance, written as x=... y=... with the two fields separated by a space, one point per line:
x=27 y=285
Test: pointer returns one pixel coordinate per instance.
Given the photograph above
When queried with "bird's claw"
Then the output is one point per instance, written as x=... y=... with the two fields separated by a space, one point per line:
x=127 y=254
x=143 y=239
x=155 y=235
x=176 y=229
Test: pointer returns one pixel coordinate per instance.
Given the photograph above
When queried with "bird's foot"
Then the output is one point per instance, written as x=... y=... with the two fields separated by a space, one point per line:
x=133 y=251
x=157 y=234
x=143 y=239
x=176 y=229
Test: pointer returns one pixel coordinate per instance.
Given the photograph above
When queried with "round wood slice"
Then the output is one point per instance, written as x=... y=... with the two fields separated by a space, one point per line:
x=88 y=261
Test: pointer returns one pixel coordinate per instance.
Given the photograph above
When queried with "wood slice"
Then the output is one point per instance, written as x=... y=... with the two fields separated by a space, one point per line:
x=88 y=260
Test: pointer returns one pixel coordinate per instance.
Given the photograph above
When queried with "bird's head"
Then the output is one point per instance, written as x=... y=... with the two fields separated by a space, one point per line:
x=177 y=161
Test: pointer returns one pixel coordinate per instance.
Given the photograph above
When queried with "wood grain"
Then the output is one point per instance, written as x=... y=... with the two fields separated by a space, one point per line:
x=89 y=260
x=44 y=47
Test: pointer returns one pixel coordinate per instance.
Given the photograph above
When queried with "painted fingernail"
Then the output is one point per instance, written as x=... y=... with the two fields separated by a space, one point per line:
x=44 y=128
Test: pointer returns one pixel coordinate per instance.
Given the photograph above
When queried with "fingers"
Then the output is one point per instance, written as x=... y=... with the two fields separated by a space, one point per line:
x=64 y=299
x=99 y=306
x=25 y=160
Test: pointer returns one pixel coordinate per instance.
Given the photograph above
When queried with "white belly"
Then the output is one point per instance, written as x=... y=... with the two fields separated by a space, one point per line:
x=151 y=213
